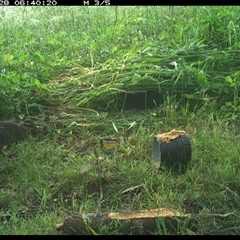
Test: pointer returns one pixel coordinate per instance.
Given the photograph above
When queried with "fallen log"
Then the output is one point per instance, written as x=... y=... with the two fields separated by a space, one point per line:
x=136 y=222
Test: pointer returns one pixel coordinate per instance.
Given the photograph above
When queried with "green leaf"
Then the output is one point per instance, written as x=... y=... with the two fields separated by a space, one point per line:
x=228 y=79
x=42 y=58
x=228 y=104
x=8 y=58
x=24 y=75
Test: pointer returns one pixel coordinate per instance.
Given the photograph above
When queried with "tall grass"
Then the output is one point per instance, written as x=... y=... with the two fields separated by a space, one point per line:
x=95 y=52
x=65 y=66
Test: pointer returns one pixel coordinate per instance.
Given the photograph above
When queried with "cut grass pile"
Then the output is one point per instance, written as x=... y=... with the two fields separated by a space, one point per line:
x=86 y=57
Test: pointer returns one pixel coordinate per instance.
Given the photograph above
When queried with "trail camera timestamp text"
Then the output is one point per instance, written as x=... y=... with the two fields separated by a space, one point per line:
x=34 y=2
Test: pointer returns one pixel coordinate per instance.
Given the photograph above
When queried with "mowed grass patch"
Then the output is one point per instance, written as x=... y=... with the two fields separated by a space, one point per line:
x=45 y=178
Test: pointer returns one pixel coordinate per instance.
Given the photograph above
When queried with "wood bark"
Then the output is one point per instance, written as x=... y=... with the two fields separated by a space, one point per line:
x=137 y=222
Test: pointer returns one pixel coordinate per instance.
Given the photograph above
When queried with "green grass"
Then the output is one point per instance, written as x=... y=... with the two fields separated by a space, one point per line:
x=66 y=67
x=43 y=183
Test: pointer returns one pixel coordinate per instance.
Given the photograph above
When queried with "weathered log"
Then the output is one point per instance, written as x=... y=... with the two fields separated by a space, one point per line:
x=137 y=222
